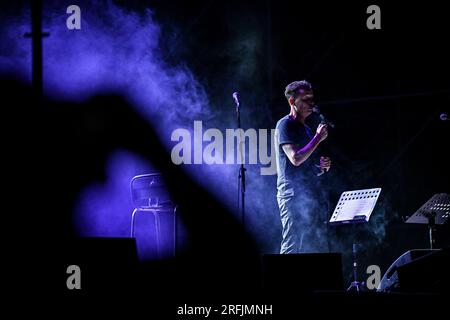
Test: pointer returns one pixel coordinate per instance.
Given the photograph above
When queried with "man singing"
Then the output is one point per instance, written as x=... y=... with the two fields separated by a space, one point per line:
x=297 y=165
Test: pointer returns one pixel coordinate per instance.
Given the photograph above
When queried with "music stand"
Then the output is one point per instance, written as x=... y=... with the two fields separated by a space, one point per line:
x=355 y=207
x=434 y=212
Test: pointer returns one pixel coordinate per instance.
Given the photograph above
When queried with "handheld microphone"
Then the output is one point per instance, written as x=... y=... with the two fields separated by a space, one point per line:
x=322 y=117
x=236 y=98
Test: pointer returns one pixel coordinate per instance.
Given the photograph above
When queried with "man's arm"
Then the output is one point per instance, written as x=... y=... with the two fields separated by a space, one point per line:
x=299 y=155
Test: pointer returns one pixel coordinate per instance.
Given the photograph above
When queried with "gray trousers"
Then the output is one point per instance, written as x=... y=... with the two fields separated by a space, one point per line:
x=302 y=226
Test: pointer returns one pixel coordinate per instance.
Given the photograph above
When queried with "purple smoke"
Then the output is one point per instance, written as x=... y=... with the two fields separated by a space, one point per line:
x=120 y=51
x=116 y=51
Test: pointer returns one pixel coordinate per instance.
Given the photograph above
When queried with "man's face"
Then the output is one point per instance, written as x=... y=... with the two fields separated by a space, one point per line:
x=305 y=102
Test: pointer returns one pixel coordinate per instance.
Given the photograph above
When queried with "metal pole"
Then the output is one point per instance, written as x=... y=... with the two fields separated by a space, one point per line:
x=241 y=169
x=36 y=36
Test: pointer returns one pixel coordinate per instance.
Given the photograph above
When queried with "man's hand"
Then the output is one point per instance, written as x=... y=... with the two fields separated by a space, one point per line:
x=325 y=164
x=322 y=131
x=298 y=155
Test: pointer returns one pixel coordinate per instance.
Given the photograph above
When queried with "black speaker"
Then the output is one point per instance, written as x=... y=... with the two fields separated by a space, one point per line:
x=104 y=250
x=419 y=270
x=105 y=263
x=303 y=273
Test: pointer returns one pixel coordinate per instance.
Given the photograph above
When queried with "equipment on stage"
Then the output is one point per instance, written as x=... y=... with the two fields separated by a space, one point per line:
x=435 y=211
x=390 y=281
x=241 y=177
x=149 y=195
x=355 y=207
x=418 y=271
x=422 y=270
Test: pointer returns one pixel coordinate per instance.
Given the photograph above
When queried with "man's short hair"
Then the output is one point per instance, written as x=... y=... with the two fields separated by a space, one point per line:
x=292 y=89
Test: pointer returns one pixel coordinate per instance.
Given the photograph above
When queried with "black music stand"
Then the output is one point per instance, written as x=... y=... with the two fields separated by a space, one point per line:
x=435 y=211
x=355 y=207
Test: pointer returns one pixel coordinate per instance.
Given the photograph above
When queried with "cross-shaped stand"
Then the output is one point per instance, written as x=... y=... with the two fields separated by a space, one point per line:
x=36 y=36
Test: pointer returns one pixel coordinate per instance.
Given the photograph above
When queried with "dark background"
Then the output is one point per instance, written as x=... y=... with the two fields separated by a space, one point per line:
x=384 y=89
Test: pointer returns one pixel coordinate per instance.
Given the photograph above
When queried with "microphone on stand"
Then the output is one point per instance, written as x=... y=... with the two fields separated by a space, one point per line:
x=241 y=183
x=236 y=98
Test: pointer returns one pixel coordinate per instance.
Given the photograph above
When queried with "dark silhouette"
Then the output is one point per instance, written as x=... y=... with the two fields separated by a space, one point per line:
x=56 y=148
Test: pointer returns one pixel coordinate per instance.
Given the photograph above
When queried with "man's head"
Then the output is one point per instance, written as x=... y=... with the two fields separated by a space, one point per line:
x=300 y=97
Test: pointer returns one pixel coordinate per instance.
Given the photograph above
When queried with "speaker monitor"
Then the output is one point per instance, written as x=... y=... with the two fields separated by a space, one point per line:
x=419 y=270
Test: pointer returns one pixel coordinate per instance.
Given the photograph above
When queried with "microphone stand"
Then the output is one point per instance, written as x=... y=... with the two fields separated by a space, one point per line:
x=241 y=178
